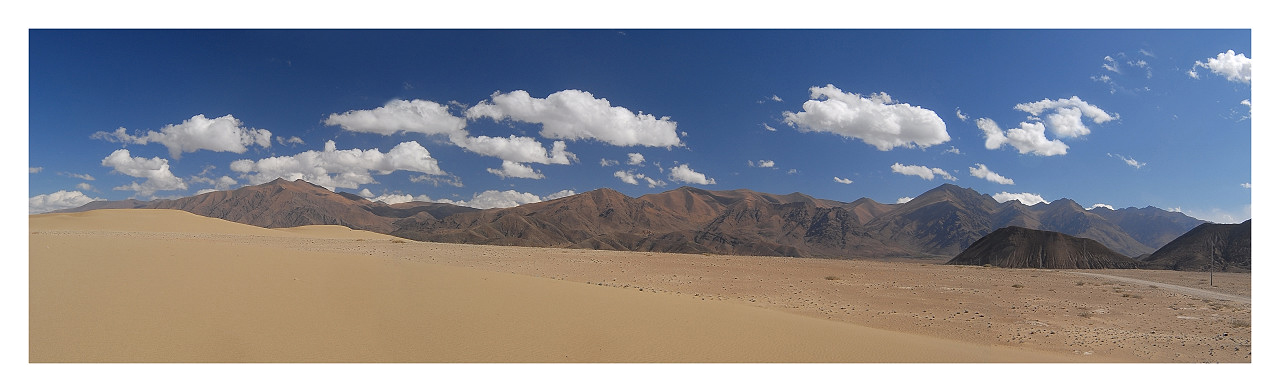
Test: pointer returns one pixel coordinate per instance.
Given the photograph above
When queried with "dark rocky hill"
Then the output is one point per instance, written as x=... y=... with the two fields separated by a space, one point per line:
x=1019 y=247
x=1229 y=244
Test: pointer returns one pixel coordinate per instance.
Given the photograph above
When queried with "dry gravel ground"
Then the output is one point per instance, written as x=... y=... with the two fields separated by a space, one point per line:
x=1075 y=317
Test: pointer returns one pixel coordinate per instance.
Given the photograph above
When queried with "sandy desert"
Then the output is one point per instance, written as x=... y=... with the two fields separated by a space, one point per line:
x=170 y=286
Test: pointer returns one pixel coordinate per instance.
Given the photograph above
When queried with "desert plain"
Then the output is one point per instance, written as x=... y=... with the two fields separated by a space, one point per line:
x=170 y=286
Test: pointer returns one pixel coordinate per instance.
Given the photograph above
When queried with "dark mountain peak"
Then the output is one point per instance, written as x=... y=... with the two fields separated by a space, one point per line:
x=1020 y=247
x=352 y=196
x=1222 y=247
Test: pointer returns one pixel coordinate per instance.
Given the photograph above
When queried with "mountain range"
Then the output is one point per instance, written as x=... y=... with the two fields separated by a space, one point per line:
x=941 y=222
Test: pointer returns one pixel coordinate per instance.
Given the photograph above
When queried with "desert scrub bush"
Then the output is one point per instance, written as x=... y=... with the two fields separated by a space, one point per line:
x=1079 y=283
x=832 y=277
x=1237 y=323
x=1085 y=314
x=398 y=241
x=1018 y=285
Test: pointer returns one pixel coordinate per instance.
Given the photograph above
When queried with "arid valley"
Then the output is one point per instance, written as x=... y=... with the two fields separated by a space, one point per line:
x=170 y=286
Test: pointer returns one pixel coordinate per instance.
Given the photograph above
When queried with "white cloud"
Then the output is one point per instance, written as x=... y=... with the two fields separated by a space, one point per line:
x=39 y=204
x=876 y=119
x=761 y=163
x=845 y=181
x=921 y=171
x=1024 y=198
x=1247 y=185
x=222 y=134
x=334 y=168
x=34 y=170
x=793 y=171
x=84 y=186
x=952 y=150
x=517 y=149
x=560 y=194
x=155 y=170
x=85 y=177
x=447 y=179
x=634 y=179
x=365 y=193
x=219 y=184
x=1100 y=205
x=1110 y=64
x=1027 y=139
x=290 y=140
x=516 y=170
x=635 y=159
x=607 y=162
x=1128 y=161
x=769 y=128
x=775 y=98
x=1066 y=115
x=904 y=199
x=574 y=115
x=499 y=199
x=419 y=116
x=961 y=116
x=1234 y=67
x=982 y=172
x=684 y=174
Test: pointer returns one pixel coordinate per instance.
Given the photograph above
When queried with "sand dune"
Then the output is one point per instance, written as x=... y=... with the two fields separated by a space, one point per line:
x=169 y=286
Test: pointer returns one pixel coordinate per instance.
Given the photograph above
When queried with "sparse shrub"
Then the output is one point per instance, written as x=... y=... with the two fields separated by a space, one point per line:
x=398 y=241
x=1079 y=283
x=986 y=266
x=832 y=277
x=1085 y=314
x=1240 y=323
x=1018 y=286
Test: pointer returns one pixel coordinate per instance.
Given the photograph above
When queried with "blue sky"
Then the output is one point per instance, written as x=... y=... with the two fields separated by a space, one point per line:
x=498 y=117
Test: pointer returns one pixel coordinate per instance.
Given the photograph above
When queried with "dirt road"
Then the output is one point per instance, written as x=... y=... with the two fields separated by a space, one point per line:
x=1180 y=289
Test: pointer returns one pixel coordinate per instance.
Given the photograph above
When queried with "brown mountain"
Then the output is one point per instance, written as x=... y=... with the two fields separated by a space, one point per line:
x=1229 y=245
x=106 y=205
x=1020 y=247
x=942 y=221
x=1153 y=227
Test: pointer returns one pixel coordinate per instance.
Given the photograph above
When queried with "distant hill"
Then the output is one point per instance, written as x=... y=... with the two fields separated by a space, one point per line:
x=939 y=223
x=1229 y=243
x=1019 y=247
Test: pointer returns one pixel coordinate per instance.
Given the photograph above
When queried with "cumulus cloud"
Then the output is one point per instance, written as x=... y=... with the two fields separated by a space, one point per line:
x=294 y=140
x=1128 y=161
x=982 y=172
x=904 y=199
x=1029 y=138
x=222 y=134
x=85 y=177
x=84 y=186
x=34 y=170
x=875 y=119
x=1100 y=205
x=775 y=98
x=634 y=179
x=499 y=199
x=219 y=184
x=635 y=159
x=952 y=150
x=845 y=181
x=761 y=163
x=155 y=170
x=518 y=149
x=436 y=180
x=1234 y=67
x=607 y=162
x=1065 y=117
x=40 y=204
x=684 y=174
x=921 y=171
x=1024 y=198
x=560 y=194
x=574 y=115
x=961 y=116
x=418 y=116
x=516 y=170
x=333 y=168
x=769 y=128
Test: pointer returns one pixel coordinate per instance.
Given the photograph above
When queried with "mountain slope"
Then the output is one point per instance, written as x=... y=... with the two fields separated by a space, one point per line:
x=1230 y=245
x=1019 y=247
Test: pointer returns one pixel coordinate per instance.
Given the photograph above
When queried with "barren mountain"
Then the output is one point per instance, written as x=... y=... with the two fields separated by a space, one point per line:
x=942 y=221
x=1153 y=227
x=1019 y=247
x=1228 y=244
